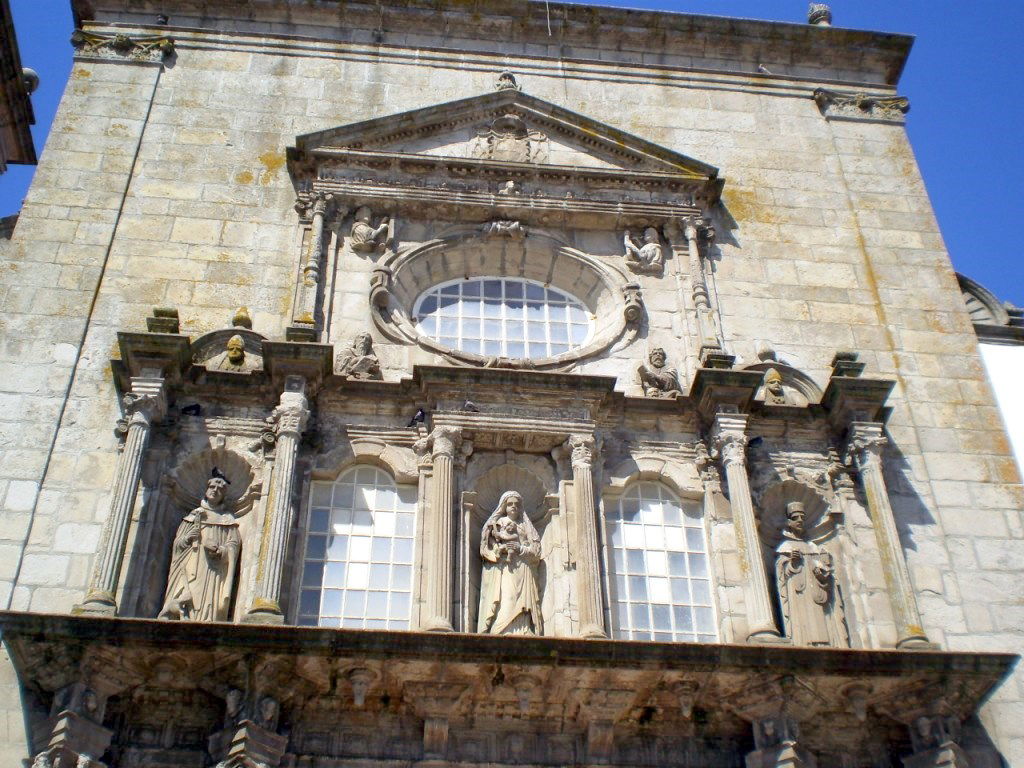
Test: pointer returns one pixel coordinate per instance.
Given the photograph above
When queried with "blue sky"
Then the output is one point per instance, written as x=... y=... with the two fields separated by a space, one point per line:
x=963 y=80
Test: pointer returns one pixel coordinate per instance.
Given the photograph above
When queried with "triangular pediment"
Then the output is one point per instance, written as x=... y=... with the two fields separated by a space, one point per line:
x=506 y=127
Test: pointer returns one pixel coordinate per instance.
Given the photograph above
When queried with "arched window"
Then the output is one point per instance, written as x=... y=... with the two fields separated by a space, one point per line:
x=661 y=583
x=357 y=568
x=503 y=317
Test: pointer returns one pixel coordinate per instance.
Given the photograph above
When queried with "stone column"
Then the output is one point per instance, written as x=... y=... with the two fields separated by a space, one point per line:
x=731 y=441
x=586 y=552
x=693 y=229
x=864 y=447
x=443 y=443
x=144 y=404
x=290 y=418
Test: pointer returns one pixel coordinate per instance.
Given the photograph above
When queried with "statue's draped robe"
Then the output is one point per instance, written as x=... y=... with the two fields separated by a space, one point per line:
x=359 y=366
x=648 y=255
x=199 y=578
x=812 y=608
x=509 y=597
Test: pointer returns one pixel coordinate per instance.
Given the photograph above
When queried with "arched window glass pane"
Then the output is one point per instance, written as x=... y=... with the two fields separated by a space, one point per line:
x=661 y=582
x=503 y=317
x=357 y=570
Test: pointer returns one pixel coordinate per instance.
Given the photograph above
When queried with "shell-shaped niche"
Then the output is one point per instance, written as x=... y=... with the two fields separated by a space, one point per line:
x=818 y=520
x=510 y=477
x=190 y=476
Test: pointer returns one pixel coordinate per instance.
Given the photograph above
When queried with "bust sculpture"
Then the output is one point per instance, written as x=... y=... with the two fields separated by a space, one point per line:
x=359 y=362
x=812 y=608
x=234 y=358
x=364 y=238
x=510 y=550
x=649 y=257
x=774 y=392
x=656 y=378
x=204 y=557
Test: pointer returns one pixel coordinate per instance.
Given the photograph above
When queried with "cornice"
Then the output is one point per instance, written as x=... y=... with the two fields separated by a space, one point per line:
x=554 y=30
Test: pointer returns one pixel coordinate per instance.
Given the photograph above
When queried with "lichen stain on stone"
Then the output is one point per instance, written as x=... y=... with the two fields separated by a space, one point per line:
x=742 y=204
x=245 y=177
x=117 y=130
x=273 y=162
x=80 y=73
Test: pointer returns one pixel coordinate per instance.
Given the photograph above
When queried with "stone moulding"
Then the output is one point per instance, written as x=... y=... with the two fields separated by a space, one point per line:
x=152 y=49
x=891 y=684
x=541 y=257
x=850 y=105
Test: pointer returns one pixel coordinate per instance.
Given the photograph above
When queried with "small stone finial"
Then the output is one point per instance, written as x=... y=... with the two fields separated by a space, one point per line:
x=163 y=320
x=819 y=15
x=507 y=82
x=241 y=318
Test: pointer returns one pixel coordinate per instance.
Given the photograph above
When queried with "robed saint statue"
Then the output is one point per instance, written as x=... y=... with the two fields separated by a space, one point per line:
x=204 y=559
x=510 y=550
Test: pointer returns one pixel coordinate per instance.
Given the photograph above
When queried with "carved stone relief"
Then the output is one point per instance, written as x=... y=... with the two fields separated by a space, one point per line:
x=359 y=362
x=154 y=48
x=658 y=379
x=364 y=237
x=647 y=257
x=852 y=105
x=508 y=138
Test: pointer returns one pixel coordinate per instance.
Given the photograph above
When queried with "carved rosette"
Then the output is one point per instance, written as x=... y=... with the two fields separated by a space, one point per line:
x=850 y=105
x=145 y=48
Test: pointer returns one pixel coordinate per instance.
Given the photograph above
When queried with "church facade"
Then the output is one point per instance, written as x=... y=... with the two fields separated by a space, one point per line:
x=495 y=383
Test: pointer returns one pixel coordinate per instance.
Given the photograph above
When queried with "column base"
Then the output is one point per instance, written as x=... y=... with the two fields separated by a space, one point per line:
x=593 y=632
x=919 y=643
x=263 y=617
x=766 y=637
x=98 y=604
x=438 y=624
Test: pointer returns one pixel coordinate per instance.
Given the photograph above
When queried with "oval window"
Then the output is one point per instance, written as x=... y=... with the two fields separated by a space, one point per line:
x=503 y=317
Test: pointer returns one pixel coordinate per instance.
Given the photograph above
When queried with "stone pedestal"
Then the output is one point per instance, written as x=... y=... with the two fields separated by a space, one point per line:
x=246 y=745
x=71 y=740
x=946 y=755
x=788 y=754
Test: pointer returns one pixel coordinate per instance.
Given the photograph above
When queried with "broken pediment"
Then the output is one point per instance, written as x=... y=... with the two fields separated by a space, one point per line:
x=503 y=150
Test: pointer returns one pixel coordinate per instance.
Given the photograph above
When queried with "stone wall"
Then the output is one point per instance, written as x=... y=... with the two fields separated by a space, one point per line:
x=167 y=185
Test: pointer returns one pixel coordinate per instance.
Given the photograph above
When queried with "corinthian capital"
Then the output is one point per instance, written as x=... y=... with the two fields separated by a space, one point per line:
x=695 y=228
x=582 y=449
x=309 y=204
x=289 y=419
x=445 y=441
x=865 y=443
x=731 y=448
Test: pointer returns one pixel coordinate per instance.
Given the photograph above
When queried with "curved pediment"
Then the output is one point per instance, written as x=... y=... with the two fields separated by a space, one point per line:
x=504 y=149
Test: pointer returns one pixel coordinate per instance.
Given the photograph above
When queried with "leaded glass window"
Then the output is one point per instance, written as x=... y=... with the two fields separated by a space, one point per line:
x=357 y=570
x=503 y=317
x=660 y=582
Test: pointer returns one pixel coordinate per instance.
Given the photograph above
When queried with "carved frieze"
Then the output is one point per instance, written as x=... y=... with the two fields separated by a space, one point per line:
x=142 y=48
x=851 y=105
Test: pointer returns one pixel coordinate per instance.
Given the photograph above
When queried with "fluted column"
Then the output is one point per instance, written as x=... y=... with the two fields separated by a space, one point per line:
x=731 y=441
x=143 y=405
x=443 y=443
x=866 y=443
x=290 y=418
x=587 y=554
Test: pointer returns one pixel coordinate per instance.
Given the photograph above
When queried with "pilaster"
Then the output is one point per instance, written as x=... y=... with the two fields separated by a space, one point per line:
x=583 y=449
x=144 y=404
x=289 y=419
